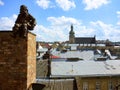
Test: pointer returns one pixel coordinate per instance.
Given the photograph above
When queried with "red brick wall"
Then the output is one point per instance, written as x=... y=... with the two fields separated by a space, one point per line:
x=16 y=55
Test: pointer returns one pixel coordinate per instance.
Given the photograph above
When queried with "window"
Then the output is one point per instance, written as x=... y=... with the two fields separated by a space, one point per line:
x=98 y=87
x=85 y=85
x=110 y=85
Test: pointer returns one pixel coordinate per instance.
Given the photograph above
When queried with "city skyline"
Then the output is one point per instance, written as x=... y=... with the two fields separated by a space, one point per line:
x=54 y=18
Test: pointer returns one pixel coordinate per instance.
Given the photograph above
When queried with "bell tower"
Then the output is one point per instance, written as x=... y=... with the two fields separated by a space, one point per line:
x=71 y=35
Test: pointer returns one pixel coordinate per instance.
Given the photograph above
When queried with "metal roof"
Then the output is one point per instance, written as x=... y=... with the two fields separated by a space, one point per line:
x=86 y=55
x=85 y=68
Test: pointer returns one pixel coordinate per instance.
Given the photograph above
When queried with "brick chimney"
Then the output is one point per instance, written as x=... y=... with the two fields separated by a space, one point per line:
x=17 y=61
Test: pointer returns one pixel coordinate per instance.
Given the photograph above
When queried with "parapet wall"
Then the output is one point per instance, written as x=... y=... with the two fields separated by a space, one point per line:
x=17 y=61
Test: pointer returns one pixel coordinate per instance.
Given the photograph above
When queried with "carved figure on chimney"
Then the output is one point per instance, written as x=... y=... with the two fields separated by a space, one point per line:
x=23 y=23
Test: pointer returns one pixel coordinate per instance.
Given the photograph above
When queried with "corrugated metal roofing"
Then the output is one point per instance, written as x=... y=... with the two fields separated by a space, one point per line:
x=85 y=68
x=86 y=55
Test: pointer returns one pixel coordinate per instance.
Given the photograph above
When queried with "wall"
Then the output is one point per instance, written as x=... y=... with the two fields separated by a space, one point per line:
x=42 y=68
x=31 y=59
x=57 y=84
x=17 y=61
x=104 y=82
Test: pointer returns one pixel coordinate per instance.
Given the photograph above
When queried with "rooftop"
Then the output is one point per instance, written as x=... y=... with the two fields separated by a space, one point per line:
x=85 y=68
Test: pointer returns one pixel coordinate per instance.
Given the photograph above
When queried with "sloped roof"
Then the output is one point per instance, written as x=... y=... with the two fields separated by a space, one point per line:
x=86 y=68
x=86 y=55
x=54 y=57
x=85 y=40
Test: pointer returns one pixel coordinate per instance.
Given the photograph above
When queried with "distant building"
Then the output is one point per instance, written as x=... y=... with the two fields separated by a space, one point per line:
x=80 y=40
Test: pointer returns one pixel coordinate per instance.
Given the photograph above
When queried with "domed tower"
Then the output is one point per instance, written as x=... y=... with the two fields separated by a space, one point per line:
x=71 y=36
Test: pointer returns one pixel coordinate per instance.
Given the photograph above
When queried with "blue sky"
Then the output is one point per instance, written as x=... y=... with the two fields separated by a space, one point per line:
x=54 y=17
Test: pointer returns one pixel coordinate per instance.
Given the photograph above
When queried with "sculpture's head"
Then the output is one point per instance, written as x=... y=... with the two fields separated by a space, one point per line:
x=23 y=10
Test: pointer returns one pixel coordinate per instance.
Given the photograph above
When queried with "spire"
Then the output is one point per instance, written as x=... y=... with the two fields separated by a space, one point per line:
x=71 y=35
x=71 y=27
x=71 y=31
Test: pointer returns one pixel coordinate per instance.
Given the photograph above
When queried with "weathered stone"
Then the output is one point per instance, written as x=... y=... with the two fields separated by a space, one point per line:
x=24 y=22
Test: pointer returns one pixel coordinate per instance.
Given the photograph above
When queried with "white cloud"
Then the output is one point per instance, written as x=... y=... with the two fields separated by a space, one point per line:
x=6 y=23
x=84 y=31
x=51 y=33
x=1 y=2
x=94 y=4
x=106 y=31
x=59 y=28
x=66 y=4
x=43 y=3
x=63 y=20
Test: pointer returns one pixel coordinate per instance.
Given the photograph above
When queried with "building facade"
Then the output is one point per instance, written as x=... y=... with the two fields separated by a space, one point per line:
x=98 y=83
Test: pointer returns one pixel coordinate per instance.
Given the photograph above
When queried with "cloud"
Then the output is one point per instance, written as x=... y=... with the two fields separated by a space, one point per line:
x=94 y=4
x=6 y=23
x=106 y=31
x=84 y=31
x=59 y=28
x=66 y=4
x=63 y=20
x=44 y=3
x=51 y=33
x=1 y=2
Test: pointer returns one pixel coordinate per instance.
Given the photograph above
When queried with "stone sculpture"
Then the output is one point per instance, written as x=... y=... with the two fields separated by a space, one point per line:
x=23 y=23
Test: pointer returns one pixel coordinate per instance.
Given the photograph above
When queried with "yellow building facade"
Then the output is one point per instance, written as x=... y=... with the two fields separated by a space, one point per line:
x=98 y=83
